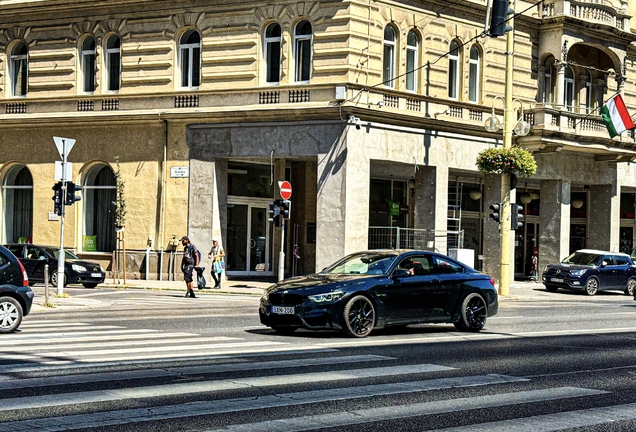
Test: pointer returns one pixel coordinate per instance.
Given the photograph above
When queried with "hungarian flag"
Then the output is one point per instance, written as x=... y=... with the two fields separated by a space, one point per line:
x=616 y=117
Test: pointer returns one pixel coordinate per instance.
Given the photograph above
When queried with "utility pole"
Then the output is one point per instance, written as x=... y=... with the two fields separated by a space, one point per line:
x=64 y=146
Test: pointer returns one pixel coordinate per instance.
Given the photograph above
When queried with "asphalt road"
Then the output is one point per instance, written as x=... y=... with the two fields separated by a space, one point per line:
x=136 y=360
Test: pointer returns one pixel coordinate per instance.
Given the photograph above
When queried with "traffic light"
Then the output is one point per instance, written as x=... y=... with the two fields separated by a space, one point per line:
x=516 y=219
x=285 y=209
x=274 y=212
x=495 y=215
x=57 y=198
x=71 y=193
x=498 y=17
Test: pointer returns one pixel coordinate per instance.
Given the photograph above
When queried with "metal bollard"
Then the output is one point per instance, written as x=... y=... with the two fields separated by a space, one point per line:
x=46 y=284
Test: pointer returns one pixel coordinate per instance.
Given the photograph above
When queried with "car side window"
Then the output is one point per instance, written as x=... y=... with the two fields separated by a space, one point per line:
x=621 y=260
x=17 y=251
x=416 y=265
x=608 y=260
x=443 y=266
x=33 y=253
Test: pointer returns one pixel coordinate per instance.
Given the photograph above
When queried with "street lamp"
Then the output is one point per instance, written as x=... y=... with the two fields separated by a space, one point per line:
x=492 y=123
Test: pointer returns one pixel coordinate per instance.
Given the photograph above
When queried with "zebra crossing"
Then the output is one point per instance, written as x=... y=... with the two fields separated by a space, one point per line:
x=329 y=376
x=178 y=300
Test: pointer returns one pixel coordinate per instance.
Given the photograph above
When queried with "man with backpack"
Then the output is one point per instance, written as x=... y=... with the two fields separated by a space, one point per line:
x=190 y=260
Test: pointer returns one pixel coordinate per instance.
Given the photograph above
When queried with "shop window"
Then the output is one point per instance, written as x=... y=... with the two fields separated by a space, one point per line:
x=17 y=192
x=249 y=180
x=628 y=204
x=98 y=196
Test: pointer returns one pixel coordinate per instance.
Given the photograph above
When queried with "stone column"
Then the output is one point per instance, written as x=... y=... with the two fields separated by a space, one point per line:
x=554 y=221
x=601 y=86
x=603 y=218
x=583 y=93
x=559 y=97
x=342 y=208
x=541 y=85
x=491 y=195
x=431 y=201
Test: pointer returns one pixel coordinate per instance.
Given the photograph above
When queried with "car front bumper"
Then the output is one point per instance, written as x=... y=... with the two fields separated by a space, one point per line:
x=562 y=281
x=307 y=315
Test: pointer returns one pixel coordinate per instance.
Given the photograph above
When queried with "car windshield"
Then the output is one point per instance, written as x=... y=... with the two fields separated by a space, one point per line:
x=583 y=258
x=56 y=253
x=363 y=263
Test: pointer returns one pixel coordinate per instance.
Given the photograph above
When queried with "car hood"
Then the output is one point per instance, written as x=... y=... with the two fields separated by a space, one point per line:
x=323 y=281
x=90 y=266
x=570 y=267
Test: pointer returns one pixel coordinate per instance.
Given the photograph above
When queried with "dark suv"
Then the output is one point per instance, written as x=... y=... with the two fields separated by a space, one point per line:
x=592 y=271
x=16 y=297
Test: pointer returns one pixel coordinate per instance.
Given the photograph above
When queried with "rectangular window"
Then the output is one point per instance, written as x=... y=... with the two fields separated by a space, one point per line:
x=303 y=59
x=273 y=62
x=452 y=79
x=19 y=77
x=388 y=66
x=411 y=56
x=472 y=82
x=88 y=69
x=114 y=70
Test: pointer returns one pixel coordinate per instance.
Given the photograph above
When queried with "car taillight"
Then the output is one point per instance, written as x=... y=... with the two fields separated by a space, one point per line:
x=25 y=277
x=492 y=282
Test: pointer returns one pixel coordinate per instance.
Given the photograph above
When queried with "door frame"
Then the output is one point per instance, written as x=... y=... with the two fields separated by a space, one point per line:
x=251 y=203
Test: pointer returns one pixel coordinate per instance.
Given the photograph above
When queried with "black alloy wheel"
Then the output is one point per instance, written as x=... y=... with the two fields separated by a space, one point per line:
x=631 y=284
x=54 y=279
x=591 y=286
x=359 y=317
x=473 y=313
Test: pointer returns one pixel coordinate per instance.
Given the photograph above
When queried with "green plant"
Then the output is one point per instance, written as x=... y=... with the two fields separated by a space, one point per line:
x=513 y=160
x=120 y=203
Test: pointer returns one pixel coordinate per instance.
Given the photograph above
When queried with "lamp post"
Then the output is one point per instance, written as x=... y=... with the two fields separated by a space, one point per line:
x=521 y=127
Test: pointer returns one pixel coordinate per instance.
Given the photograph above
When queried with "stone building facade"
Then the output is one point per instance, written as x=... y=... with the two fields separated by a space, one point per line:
x=374 y=111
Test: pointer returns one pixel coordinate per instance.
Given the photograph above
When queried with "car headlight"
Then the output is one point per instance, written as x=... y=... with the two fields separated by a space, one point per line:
x=577 y=273
x=78 y=268
x=327 y=297
x=265 y=296
x=546 y=269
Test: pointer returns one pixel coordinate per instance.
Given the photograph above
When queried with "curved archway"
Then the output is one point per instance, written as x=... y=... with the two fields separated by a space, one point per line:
x=99 y=193
x=17 y=192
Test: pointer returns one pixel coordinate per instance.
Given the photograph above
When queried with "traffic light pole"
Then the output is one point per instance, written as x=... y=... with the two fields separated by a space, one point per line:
x=60 y=258
x=281 y=255
x=504 y=224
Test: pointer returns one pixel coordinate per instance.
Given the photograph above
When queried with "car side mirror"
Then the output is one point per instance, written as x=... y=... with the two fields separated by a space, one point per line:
x=604 y=263
x=401 y=273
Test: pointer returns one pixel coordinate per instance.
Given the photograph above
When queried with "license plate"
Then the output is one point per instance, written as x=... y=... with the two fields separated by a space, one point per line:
x=556 y=279
x=283 y=310
x=96 y=275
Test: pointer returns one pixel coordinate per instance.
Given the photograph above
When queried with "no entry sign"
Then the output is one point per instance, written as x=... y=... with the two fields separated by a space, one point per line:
x=285 y=189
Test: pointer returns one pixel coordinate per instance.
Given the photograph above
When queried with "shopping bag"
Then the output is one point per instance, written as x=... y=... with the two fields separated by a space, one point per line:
x=218 y=267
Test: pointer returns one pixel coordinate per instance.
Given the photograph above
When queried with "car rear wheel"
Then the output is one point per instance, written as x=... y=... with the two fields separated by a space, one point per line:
x=89 y=285
x=359 y=317
x=473 y=313
x=54 y=279
x=551 y=288
x=591 y=286
x=10 y=314
x=631 y=284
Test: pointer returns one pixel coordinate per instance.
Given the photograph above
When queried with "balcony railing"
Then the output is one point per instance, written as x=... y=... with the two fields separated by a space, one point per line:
x=601 y=11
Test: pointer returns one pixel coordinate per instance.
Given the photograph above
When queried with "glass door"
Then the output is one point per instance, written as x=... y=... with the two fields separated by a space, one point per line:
x=248 y=246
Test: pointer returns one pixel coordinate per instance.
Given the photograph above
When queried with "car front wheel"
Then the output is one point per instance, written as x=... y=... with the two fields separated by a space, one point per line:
x=10 y=314
x=631 y=284
x=54 y=279
x=473 y=313
x=591 y=286
x=359 y=317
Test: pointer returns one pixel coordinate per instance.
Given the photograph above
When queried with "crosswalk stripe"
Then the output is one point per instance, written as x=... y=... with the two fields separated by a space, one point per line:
x=64 y=328
x=120 y=417
x=64 y=399
x=46 y=337
x=164 y=341
x=415 y=410
x=25 y=344
x=190 y=370
x=29 y=325
x=559 y=421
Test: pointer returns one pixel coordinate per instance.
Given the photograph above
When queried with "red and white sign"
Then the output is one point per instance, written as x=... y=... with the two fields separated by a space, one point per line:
x=285 y=189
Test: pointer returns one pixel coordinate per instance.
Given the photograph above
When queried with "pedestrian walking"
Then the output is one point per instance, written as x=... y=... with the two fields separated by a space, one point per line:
x=190 y=260
x=216 y=254
x=535 y=266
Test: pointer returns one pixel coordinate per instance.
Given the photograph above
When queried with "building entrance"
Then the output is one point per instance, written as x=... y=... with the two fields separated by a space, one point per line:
x=249 y=246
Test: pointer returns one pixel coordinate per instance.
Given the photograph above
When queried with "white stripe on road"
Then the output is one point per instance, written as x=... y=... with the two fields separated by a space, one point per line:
x=65 y=399
x=64 y=327
x=121 y=417
x=180 y=371
x=559 y=421
x=32 y=341
x=46 y=337
x=396 y=412
x=30 y=324
x=164 y=341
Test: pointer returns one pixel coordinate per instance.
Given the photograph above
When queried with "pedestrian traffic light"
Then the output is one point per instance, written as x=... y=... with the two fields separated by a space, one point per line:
x=57 y=198
x=285 y=209
x=72 y=190
x=498 y=18
x=516 y=219
x=495 y=215
x=274 y=212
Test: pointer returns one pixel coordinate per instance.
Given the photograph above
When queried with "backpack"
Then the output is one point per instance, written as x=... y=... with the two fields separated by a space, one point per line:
x=198 y=253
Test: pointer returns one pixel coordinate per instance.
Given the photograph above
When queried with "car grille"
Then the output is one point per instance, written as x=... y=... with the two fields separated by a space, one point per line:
x=556 y=272
x=282 y=299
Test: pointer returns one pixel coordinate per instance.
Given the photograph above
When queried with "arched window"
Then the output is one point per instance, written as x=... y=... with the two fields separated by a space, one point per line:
x=548 y=83
x=388 y=69
x=98 y=195
x=302 y=54
x=17 y=191
x=88 y=58
x=473 y=74
x=19 y=69
x=568 y=97
x=453 y=70
x=190 y=59
x=272 y=53
x=411 y=61
x=113 y=63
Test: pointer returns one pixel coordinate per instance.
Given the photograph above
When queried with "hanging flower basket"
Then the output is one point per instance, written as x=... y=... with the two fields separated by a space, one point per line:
x=513 y=160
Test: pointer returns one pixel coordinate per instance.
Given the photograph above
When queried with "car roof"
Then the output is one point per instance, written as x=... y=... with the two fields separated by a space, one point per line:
x=600 y=252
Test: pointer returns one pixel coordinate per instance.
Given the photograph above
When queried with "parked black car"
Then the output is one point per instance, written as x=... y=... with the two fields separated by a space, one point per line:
x=76 y=270
x=382 y=288
x=16 y=297
x=592 y=271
